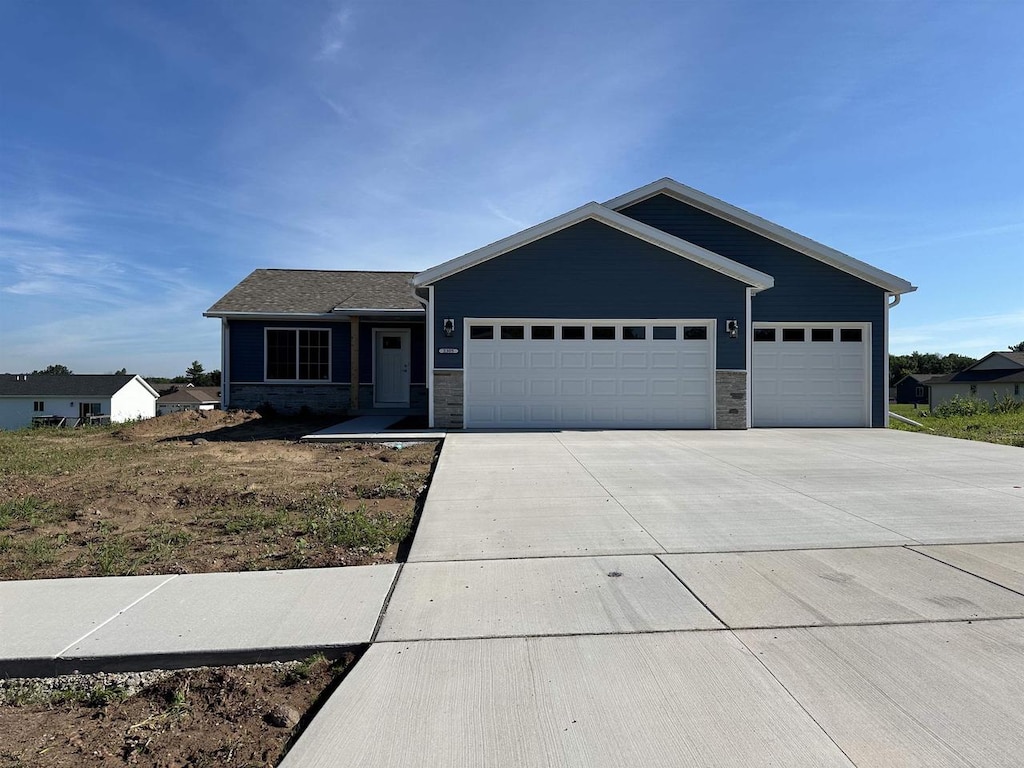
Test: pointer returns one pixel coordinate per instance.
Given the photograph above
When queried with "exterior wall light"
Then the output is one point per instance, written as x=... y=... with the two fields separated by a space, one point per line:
x=732 y=328
x=448 y=326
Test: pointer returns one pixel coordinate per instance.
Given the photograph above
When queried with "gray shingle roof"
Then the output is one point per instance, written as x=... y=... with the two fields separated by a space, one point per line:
x=992 y=376
x=191 y=395
x=310 y=291
x=75 y=385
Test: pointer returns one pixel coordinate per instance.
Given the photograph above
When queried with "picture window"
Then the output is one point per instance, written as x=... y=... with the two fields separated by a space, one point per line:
x=793 y=334
x=301 y=354
x=481 y=331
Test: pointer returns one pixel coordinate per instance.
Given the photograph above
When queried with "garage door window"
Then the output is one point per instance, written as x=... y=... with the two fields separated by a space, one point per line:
x=792 y=334
x=764 y=334
x=823 y=334
x=512 y=332
x=694 y=332
x=542 y=332
x=481 y=331
x=634 y=332
x=572 y=332
x=603 y=333
x=664 y=332
x=851 y=334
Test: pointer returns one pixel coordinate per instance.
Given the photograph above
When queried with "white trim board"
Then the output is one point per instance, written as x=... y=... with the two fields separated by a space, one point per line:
x=714 y=261
x=765 y=228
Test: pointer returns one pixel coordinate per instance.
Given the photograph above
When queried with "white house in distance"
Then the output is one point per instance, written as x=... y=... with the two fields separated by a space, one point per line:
x=997 y=375
x=78 y=398
x=189 y=398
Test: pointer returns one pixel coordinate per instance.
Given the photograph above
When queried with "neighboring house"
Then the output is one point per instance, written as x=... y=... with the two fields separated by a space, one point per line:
x=661 y=308
x=188 y=398
x=997 y=375
x=913 y=388
x=74 y=399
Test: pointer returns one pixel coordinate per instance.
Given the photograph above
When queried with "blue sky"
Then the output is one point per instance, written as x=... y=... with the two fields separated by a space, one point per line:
x=152 y=154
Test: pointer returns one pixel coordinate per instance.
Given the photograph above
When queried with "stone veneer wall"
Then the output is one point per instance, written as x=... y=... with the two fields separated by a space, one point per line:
x=731 y=400
x=290 y=398
x=448 y=399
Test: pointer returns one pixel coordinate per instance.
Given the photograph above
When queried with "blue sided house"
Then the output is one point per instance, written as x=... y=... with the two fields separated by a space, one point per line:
x=661 y=308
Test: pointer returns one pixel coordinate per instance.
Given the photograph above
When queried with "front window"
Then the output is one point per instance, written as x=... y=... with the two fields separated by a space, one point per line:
x=302 y=354
x=38 y=406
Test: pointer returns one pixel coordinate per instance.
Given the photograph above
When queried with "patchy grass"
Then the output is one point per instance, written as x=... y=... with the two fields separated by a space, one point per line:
x=193 y=493
x=1004 y=428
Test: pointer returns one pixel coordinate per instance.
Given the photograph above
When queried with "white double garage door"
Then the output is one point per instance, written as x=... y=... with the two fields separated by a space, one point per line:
x=541 y=373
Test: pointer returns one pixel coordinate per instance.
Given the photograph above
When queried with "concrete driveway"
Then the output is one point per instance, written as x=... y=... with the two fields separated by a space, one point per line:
x=834 y=597
x=599 y=493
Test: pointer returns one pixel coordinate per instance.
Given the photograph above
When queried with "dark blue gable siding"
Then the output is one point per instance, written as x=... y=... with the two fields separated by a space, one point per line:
x=590 y=270
x=247 y=348
x=805 y=288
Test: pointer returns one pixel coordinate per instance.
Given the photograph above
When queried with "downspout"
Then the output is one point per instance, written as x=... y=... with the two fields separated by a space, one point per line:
x=885 y=352
x=225 y=357
x=428 y=306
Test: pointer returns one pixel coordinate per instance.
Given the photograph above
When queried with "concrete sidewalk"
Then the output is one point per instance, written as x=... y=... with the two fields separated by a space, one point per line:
x=57 y=626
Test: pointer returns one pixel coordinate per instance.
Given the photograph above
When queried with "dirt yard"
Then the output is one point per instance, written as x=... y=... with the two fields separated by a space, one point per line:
x=227 y=716
x=190 y=492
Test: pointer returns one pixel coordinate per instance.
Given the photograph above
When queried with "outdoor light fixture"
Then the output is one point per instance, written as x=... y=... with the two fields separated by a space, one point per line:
x=448 y=326
x=732 y=328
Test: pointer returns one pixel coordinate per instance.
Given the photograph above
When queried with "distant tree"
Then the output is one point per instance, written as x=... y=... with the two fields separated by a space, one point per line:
x=54 y=370
x=212 y=379
x=194 y=373
x=1019 y=347
x=928 y=362
x=122 y=372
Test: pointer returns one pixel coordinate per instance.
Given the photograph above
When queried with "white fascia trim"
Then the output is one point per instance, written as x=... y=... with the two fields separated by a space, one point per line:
x=598 y=212
x=765 y=228
x=335 y=314
x=144 y=383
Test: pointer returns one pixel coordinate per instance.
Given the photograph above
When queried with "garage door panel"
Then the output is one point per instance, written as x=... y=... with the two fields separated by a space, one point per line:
x=811 y=383
x=620 y=382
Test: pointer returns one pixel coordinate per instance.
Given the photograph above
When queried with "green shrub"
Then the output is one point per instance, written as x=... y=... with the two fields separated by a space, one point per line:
x=1006 y=403
x=961 y=406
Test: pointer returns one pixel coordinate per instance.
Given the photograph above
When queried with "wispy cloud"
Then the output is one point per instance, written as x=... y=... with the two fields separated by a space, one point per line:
x=974 y=335
x=335 y=34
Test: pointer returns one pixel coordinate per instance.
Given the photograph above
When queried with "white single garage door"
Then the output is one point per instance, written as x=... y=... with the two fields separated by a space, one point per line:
x=811 y=375
x=589 y=373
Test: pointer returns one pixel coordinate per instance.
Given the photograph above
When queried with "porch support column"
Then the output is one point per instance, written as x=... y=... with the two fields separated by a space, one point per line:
x=354 y=372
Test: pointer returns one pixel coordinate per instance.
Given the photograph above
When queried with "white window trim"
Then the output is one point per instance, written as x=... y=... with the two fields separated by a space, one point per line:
x=330 y=356
x=865 y=340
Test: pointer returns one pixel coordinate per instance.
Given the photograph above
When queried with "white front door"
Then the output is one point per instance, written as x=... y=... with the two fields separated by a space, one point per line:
x=391 y=351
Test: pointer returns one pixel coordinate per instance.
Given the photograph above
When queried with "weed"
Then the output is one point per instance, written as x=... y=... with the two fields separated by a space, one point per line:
x=101 y=696
x=304 y=669
x=113 y=557
x=961 y=406
x=27 y=510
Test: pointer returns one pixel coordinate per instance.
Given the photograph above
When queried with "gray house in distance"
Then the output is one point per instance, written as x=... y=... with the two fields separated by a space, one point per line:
x=997 y=375
x=661 y=308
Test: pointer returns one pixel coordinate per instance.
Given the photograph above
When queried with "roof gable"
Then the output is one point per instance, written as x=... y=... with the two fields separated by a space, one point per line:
x=604 y=215
x=311 y=292
x=764 y=228
x=999 y=360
